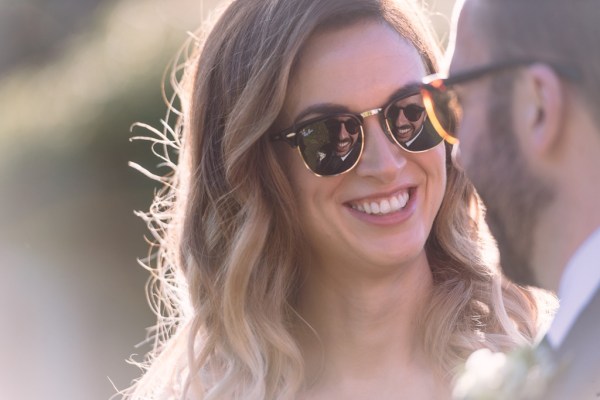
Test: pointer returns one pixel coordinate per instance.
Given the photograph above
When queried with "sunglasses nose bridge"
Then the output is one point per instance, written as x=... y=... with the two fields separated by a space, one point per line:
x=381 y=158
x=382 y=122
x=368 y=113
x=380 y=114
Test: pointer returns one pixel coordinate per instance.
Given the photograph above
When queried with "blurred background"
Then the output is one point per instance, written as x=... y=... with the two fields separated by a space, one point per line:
x=74 y=76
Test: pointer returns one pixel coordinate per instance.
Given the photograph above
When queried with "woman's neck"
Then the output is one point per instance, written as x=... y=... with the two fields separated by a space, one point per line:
x=364 y=331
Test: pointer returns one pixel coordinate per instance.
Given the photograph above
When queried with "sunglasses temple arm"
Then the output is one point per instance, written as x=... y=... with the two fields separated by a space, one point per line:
x=288 y=137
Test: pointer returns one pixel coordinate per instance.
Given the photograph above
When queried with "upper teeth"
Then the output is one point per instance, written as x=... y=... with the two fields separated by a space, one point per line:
x=383 y=206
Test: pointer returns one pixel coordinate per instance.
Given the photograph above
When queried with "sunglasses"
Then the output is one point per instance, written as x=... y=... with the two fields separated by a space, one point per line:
x=332 y=144
x=442 y=103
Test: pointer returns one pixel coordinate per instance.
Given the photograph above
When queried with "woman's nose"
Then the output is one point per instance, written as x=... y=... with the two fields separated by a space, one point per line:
x=381 y=159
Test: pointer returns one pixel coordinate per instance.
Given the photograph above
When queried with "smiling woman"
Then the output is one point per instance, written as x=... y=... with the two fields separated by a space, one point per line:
x=346 y=242
x=315 y=242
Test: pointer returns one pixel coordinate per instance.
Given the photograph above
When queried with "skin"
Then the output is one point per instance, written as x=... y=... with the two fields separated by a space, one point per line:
x=367 y=276
x=531 y=153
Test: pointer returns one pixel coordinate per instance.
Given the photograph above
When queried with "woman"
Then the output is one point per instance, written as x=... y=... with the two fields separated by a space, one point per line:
x=281 y=279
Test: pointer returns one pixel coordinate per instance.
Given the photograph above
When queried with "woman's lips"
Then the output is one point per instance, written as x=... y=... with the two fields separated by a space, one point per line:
x=383 y=205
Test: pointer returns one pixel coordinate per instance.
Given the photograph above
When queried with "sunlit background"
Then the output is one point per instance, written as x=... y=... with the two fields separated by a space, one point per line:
x=74 y=76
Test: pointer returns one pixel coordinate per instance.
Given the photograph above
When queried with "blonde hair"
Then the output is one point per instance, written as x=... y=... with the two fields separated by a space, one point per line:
x=228 y=264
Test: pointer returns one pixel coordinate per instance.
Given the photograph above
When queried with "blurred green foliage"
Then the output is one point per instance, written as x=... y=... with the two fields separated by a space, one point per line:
x=68 y=235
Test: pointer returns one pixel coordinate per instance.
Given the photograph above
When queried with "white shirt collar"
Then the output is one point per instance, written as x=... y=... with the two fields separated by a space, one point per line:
x=579 y=282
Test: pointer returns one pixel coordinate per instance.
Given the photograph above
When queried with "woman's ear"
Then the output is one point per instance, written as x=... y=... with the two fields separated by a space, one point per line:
x=544 y=109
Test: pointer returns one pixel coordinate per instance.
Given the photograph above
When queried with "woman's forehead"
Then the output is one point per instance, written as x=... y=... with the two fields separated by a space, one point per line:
x=358 y=66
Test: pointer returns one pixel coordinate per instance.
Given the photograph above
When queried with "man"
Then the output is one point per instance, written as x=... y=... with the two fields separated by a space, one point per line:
x=343 y=149
x=526 y=77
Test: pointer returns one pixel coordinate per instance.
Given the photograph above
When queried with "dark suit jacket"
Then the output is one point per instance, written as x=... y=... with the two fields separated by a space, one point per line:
x=578 y=358
x=333 y=163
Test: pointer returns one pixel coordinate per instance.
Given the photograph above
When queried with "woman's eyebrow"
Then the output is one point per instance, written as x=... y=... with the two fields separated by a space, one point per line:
x=406 y=90
x=330 y=108
x=320 y=109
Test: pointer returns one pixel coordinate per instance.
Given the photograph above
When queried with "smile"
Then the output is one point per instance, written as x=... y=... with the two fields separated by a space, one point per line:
x=405 y=130
x=383 y=206
x=344 y=146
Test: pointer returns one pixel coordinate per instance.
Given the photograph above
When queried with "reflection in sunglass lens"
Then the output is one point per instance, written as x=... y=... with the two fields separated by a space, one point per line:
x=331 y=146
x=352 y=126
x=413 y=112
x=407 y=122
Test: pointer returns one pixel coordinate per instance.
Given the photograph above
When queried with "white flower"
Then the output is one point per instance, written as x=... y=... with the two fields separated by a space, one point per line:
x=521 y=374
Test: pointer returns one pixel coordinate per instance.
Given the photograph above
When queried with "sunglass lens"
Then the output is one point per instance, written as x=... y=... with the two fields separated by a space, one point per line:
x=413 y=112
x=409 y=125
x=352 y=126
x=331 y=146
x=444 y=111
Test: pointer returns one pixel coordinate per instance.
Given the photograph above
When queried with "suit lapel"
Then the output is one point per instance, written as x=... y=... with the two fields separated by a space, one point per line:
x=578 y=358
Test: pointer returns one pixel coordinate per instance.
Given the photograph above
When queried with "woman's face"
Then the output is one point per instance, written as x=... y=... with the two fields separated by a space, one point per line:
x=349 y=219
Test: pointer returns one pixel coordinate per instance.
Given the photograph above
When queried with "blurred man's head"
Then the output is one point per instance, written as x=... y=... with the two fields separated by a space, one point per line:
x=519 y=121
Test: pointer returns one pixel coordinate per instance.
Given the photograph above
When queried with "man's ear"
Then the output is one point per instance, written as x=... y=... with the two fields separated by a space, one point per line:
x=544 y=108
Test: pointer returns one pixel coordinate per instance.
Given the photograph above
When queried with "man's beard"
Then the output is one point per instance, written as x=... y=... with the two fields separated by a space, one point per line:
x=513 y=195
